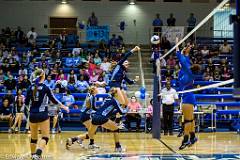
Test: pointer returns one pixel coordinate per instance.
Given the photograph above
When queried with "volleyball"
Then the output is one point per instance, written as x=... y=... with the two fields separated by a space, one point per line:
x=155 y=39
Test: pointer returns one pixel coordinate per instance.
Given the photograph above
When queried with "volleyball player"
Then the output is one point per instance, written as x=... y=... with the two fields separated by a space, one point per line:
x=109 y=108
x=88 y=106
x=119 y=74
x=185 y=78
x=36 y=101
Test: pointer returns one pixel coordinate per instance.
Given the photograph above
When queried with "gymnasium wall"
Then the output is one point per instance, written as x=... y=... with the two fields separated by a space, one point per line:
x=33 y=13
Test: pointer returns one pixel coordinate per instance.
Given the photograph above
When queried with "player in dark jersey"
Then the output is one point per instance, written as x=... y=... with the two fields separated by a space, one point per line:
x=38 y=95
x=110 y=107
x=88 y=107
x=119 y=74
x=185 y=79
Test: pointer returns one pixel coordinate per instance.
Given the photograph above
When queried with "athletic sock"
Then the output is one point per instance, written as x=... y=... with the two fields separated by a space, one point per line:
x=185 y=138
x=91 y=141
x=39 y=152
x=117 y=145
x=192 y=135
x=74 y=139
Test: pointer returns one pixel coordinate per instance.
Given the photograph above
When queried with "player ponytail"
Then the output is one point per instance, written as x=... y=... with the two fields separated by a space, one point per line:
x=37 y=77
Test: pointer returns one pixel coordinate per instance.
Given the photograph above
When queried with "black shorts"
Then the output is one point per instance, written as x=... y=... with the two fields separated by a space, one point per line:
x=84 y=117
x=38 y=117
x=99 y=120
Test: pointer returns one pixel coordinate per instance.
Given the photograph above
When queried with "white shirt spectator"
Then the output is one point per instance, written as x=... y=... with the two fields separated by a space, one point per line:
x=63 y=83
x=205 y=52
x=33 y=33
x=105 y=66
x=169 y=96
x=76 y=51
x=225 y=48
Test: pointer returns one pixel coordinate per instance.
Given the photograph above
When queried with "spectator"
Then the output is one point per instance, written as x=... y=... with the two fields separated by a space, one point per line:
x=10 y=84
x=101 y=84
x=206 y=74
x=49 y=82
x=72 y=77
x=225 y=48
x=6 y=112
x=97 y=60
x=191 y=22
x=19 y=35
x=20 y=83
x=68 y=99
x=93 y=77
x=32 y=36
x=84 y=73
x=19 y=111
x=105 y=65
x=171 y=62
x=92 y=20
x=1 y=77
x=134 y=106
x=149 y=116
x=169 y=96
x=176 y=71
x=171 y=20
x=210 y=65
x=205 y=52
x=22 y=71
x=157 y=25
x=61 y=74
x=26 y=83
x=165 y=44
x=217 y=76
x=82 y=85
x=45 y=68
x=63 y=39
x=113 y=43
x=225 y=74
x=61 y=84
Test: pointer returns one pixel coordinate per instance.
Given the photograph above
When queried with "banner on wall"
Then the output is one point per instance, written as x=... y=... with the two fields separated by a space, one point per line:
x=97 y=33
x=172 y=32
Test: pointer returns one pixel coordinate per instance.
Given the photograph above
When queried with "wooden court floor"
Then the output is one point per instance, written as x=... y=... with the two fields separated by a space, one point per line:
x=137 y=146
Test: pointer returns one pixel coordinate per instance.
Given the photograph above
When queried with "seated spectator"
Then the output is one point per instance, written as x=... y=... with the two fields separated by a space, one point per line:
x=26 y=83
x=1 y=77
x=61 y=84
x=149 y=116
x=93 y=77
x=113 y=43
x=72 y=79
x=68 y=99
x=165 y=44
x=6 y=112
x=105 y=65
x=171 y=61
x=206 y=74
x=82 y=85
x=84 y=73
x=10 y=84
x=19 y=111
x=205 y=52
x=100 y=84
x=49 y=82
x=225 y=48
x=134 y=106
x=20 y=83
x=97 y=60
x=176 y=71
x=210 y=65
x=22 y=71
x=45 y=68
x=61 y=75
x=225 y=74
x=217 y=76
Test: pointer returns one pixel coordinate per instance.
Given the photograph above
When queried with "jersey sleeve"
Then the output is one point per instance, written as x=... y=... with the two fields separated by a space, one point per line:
x=52 y=97
x=129 y=81
x=125 y=58
x=183 y=63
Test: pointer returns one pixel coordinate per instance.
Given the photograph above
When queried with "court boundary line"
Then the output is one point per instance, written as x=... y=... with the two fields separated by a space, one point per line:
x=168 y=147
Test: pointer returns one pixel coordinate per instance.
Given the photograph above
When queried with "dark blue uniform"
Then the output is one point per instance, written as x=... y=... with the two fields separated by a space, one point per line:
x=185 y=79
x=109 y=108
x=39 y=103
x=119 y=73
x=87 y=110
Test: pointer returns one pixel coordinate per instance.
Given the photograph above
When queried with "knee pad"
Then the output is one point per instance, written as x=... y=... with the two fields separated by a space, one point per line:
x=46 y=139
x=188 y=121
x=116 y=130
x=87 y=137
x=34 y=141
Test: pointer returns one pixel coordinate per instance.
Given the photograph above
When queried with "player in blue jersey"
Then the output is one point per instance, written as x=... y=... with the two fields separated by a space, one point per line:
x=119 y=74
x=88 y=107
x=38 y=95
x=185 y=79
x=109 y=108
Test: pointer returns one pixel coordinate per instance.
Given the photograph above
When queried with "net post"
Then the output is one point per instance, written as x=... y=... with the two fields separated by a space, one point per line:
x=156 y=123
x=236 y=48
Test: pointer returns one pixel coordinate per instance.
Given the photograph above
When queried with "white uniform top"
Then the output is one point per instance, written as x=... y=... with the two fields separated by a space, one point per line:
x=169 y=96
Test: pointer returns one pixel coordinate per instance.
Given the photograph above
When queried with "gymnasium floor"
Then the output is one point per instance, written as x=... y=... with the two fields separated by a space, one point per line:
x=222 y=145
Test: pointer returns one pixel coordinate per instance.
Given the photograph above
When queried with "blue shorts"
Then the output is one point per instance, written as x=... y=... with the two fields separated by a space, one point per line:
x=115 y=84
x=38 y=117
x=188 y=98
x=84 y=117
x=99 y=120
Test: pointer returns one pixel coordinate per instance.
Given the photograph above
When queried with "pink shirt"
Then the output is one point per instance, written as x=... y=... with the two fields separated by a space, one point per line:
x=134 y=106
x=150 y=109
